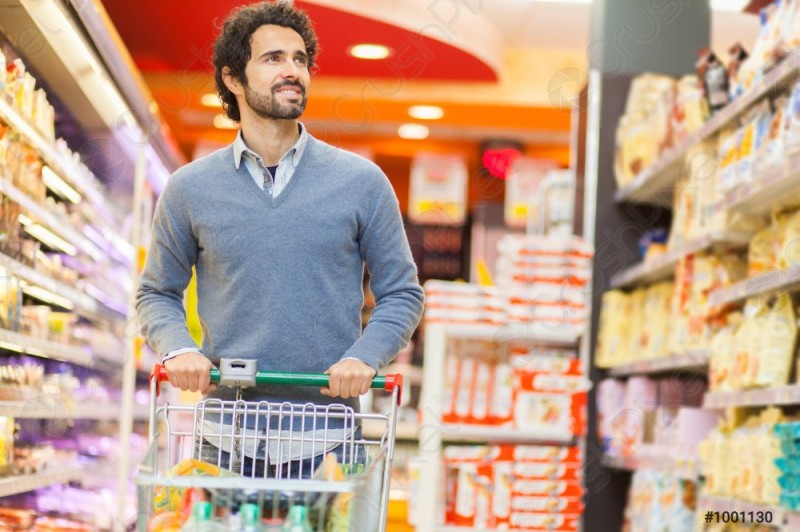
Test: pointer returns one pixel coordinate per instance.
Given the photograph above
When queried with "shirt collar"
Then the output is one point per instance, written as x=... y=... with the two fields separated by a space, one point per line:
x=296 y=151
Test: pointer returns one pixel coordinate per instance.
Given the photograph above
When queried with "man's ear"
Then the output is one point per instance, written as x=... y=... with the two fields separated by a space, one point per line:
x=233 y=84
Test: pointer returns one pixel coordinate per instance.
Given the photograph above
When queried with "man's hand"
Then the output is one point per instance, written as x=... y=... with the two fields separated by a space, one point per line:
x=349 y=378
x=190 y=371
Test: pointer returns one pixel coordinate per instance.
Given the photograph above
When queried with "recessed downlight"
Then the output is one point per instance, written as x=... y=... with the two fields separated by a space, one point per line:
x=223 y=122
x=413 y=131
x=210 y=100
x=370 y=51
x=426 y=112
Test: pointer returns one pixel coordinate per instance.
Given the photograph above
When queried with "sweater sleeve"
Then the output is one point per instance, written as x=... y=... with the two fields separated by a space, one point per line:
x=393 y=279
x=167 y=272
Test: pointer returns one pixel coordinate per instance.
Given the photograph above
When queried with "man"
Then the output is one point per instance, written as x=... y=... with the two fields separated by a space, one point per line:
x=278 y=226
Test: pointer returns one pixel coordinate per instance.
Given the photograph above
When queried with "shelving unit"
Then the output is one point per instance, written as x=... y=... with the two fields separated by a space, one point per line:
x=663 y=464
x=772 y=191
x=692 y=361
x=54 y=407
x=663 y=266
x=49 y=477
x=654 y=184
x=433 y=433
x=489 y=434
x=29 y=345
x=779 y=396
x=759 y=285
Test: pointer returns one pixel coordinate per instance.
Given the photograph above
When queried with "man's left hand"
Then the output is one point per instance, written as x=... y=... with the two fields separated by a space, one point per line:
x=349 y=378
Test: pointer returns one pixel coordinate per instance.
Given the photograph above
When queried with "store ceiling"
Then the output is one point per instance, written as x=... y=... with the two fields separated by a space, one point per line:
x=457 y=60
x=499 y=68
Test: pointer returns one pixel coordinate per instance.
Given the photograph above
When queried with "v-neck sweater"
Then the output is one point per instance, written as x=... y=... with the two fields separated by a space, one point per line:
x=279 y=279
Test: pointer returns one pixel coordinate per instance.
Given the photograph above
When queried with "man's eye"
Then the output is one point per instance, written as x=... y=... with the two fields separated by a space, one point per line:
x=301 y=60
x=273 y=58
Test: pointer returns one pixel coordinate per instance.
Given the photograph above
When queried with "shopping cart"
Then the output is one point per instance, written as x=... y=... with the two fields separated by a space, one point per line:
x=236 y=431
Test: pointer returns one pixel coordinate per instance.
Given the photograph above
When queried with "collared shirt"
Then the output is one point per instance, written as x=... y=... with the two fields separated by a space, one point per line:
x=255 y=165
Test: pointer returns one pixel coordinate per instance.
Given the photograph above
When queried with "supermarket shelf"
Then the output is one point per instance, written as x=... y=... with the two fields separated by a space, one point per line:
x=48 y=152
x=24 y=483
x=29 y=345
x=54 y=407
x=691 y=361
x=527 y=332
x=478 y=433
x=721 y=503
x=51 y=221
x=84 y=304
x=767 y=194
x=101 y=214
x=663 y=266
x=759 y=285
x=781 y=395
x=663 y=464
x=654 y=184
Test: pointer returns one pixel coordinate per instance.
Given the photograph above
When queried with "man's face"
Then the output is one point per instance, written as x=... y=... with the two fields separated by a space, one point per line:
x=277 y=74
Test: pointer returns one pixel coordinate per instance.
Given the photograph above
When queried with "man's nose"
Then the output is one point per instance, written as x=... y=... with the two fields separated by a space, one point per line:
x=291 y=70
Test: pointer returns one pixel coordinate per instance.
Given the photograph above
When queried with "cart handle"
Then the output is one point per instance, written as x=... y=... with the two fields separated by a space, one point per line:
x=387 y=382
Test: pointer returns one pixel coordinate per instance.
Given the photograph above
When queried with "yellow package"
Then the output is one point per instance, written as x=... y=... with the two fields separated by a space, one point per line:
x=743 y=360
x=761 y=255
x=789 y=255
x=779 y=337
x=722 y=358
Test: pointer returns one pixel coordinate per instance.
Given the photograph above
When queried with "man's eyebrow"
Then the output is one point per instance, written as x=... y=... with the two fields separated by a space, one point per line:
x=299 y=53
x=273 y=52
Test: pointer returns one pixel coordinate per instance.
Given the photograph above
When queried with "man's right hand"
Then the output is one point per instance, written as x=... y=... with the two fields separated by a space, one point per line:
x=190 y=371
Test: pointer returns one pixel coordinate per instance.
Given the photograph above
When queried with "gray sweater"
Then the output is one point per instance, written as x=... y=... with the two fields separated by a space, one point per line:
x=280 y=279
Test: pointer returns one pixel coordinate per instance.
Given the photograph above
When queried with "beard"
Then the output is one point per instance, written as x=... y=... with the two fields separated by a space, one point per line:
x=267 y=106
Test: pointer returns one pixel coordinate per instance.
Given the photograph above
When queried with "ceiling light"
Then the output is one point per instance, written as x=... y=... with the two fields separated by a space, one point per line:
x=413 y=131
x=426 y=112
x=223 y=122
x=211 y=99
x=729 y=5
x=54 y=182
x=369 y=51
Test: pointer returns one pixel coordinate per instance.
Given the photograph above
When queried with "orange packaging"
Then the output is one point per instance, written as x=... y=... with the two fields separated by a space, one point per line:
x=463 y=399
x=552 y=522
x=483 y=504
x=502 y=480
x=562 y=488
x=533 y=364
x=480 y=400
x=501 y=409
x=543 y=470
x=540 y=453
x=556 y=505
x=452 y=374
x=466 y=495
x=549 y=382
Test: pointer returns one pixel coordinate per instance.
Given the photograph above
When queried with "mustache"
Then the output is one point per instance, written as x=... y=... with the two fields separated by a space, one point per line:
x=296 y=84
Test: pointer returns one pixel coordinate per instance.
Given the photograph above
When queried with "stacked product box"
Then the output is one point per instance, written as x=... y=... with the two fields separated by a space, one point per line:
x=527 y=390
x=547 y=280
x=521 y=487
x=465 y=303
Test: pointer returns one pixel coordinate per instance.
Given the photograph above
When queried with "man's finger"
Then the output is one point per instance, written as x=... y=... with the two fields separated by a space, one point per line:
x=334 y=383
x=325 y=391
x=365 y=386
x=355 y=387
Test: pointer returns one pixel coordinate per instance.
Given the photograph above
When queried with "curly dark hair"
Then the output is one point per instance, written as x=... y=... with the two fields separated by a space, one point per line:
x=233 y=45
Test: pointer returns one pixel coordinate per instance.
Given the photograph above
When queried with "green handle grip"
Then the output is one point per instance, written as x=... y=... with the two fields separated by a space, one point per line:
x=263 y=378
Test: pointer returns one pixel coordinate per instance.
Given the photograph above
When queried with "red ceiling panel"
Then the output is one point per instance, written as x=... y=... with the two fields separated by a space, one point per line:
x=178 y=36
